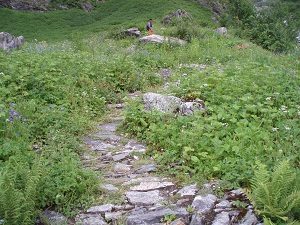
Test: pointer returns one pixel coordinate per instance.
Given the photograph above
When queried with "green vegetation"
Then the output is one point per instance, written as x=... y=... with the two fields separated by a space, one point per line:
x=274 y=28
x=72 y=65
x=276 y=195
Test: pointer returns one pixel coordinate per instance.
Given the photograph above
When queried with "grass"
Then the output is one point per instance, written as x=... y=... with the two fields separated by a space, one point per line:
x=75 y=23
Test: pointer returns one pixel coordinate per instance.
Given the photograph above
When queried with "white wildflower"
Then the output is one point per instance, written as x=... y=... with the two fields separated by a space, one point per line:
x=268 y=98
x=274 y=129
x=287 y=128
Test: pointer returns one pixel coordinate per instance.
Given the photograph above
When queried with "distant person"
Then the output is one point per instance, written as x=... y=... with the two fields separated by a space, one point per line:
x=149 y=27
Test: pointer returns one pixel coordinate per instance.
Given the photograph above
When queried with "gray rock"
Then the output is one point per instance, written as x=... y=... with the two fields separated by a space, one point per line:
x=188 y=191
x=144 y=198
x=222 y=219
x=109 y=187
x=120 y=157
x=204 y=204
x=53 y=218
x=97 y=145
x=122 y=168
x=152 y=217
x=9 y=42
x=90 y=219
x=178 y=14
x=197 y=220
x=146 y=169
x=133 y=146
x=134 y=32
x=113 y=216
x=165 y=73
x=87 y=6
x=249 y=219
x=188 y=108
x=149 y=186
x=224 y=204
x=162 y=103
x=141 y=179
x=158 y=39
x=178 y=221
x=221 y=31
x=101 y=208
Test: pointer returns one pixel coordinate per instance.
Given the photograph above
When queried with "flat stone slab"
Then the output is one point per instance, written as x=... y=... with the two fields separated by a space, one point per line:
x=113 y=216
x=204 y=204
x=110 y=127
x=134 y=146
x=149 y=186
x=52 y=218
x=188 y=191
x=141 y=179
x=97 y=145
x=109 y=188
x=101 y=208
x=153 y=217
x=146 y=169
x=144 y=198
x=121 y=168
x=120 y=157
x=222 y=219
x=90 y=219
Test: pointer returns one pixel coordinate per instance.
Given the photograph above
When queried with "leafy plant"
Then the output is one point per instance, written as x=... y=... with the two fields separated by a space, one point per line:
x=275 y=195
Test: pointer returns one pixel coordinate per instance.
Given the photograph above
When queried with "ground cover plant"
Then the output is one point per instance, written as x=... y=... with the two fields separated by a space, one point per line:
x=54 y=88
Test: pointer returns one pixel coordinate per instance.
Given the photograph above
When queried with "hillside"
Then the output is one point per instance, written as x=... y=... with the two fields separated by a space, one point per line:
x=77 y=128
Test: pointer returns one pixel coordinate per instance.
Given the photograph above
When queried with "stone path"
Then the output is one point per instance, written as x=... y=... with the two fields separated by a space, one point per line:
x=135 y=195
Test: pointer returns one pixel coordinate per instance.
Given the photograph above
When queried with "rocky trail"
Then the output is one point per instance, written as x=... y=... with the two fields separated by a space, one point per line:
x=136 y=194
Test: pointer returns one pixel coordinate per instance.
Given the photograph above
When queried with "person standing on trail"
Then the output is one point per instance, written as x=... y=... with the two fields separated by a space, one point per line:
x=149 y=27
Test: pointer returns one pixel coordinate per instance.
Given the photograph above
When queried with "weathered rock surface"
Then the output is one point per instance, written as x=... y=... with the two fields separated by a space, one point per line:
x=9 y=42
x=144 y=198
x=222 y=219
x=204 y=204
x=146 y=169
x=90 y=219
x=158 y=39
x=101 y=208
x=149 y=186
x=162 y=103
x=221 y=30
x=188 y=191
x=121 y=168
x=150 y=218
x=177 y=15
x=109 y=187
x=189 y=108
x=132 y=32
x=53 y=218
x=171 y=104
x=87 y=6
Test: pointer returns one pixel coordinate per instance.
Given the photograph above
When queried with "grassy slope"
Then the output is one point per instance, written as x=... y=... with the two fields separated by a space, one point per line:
x=60 y=25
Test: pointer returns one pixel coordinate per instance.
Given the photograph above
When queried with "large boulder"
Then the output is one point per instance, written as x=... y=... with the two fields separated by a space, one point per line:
x=221 y=31
x=162 y=103
x=154 y=38
x=178 y=14
x=132 y=32
x=8 y=42
x=171 y=104
x=87 y=6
